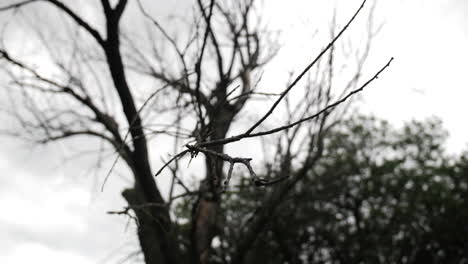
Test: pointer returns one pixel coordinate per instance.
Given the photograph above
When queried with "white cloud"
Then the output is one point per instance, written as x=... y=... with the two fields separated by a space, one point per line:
x=56 y=217
x=38 y=253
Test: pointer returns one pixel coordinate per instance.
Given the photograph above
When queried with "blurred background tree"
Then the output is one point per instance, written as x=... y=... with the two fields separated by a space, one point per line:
x=378 y=195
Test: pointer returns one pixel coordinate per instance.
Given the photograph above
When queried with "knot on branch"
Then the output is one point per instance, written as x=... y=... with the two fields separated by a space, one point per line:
x=193 y=153
x=142 y=207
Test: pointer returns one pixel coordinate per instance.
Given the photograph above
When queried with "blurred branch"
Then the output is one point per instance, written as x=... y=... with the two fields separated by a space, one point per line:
x=93 y=32
x=105 y=119
x=180 y=54
x=17 y=5
x=209 y=32
x=198 y=64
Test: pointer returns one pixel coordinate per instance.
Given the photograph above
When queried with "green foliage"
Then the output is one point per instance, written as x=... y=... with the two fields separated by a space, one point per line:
x=378 y=195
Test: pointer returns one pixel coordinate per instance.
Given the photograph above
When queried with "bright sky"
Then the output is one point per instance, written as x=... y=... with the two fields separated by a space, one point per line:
x=49 y=215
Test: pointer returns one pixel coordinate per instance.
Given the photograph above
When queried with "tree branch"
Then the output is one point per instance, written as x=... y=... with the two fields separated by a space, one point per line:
x=17 y=5
x=106 y=120
x=278 y=129
x=299 y=77
x=93 y=32
x=120 y=7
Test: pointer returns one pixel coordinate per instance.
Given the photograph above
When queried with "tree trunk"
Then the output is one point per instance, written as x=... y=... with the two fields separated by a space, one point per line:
x=155 y=230
x=206 y=210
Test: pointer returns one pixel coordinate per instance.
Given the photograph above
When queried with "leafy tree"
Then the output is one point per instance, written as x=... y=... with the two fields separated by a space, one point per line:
x=378 y=195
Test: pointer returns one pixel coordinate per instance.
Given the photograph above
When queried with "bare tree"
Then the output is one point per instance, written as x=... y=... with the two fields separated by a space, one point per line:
x=205 y=75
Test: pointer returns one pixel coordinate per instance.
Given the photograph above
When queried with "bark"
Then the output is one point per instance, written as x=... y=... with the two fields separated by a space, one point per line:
x=148 y=230
x=207 y=208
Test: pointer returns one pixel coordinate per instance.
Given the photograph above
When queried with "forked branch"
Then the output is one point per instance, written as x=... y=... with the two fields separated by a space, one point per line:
x=202 y=146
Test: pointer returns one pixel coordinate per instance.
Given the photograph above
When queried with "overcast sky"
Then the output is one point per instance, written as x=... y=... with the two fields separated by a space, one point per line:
x=56 y=213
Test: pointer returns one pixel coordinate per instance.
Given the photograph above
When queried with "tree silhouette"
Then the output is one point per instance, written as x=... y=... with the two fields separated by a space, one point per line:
x=205 y=76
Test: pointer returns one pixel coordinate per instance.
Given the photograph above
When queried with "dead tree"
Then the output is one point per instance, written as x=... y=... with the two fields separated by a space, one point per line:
x=209 y=76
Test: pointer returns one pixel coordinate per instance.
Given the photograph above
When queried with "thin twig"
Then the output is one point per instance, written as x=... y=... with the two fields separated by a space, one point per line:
x=299 y=77
x=278 y=129
x=324 y=110
x=178 y=156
